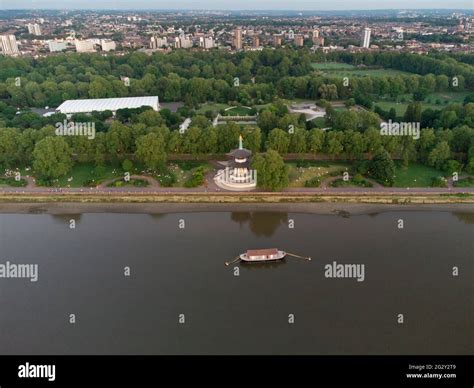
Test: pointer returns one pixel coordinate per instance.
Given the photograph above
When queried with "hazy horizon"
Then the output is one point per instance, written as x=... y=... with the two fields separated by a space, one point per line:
x=241 y=5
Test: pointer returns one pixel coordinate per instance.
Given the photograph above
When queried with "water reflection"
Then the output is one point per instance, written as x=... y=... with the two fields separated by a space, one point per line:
x=467 y=218
x=263 y=265
x=262 y=224
x=157 y=216
x=66 y=218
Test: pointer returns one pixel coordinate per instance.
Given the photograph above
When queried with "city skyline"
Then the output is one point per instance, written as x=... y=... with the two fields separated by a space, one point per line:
x=213 y=5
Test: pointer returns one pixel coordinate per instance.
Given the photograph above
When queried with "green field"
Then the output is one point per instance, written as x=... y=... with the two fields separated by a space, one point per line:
x=332 y=66
x=238 y=111
x=212 y=107
x=346 y=70
x=184 y=170
x=465 y=182
x=367 y=72
x=447 y=97
x=401 y=107
x=12 y=182
x=416 y=175
x=87 y=174
x=299 y=175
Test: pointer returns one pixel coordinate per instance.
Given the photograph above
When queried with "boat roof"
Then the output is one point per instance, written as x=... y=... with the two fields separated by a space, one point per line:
x=262 y=252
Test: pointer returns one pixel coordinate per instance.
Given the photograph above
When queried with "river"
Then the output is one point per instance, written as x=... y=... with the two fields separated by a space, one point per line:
x=157 y=284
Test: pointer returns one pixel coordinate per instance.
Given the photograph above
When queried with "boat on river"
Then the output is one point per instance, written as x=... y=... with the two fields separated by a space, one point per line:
x=264 y=255
x=254 y=255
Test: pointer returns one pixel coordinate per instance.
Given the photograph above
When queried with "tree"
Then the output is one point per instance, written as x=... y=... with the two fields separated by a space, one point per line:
x=253 y=139
x=272 y=172
x=278 y=140
x=413 y=113
x=118 y=139
x=267 y=120
x=151 y=118
x=298 y=141
x=191 y=140
x=426 y=143
x=328 y=91
x=208 y=141
x=316 y=140
x=151 y=151
x=9 y=147
x=439 y=155
x=382 y=167
x=373 y=140
x=354 y=144
x=228 y=136
x=333 y=144
x=347 y=120
x=52 y=158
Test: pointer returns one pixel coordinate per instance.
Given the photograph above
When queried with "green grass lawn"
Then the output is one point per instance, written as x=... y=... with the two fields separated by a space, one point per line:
x=401 y=107
x=332 y=66
x=184 y=170
x=320 y=122
x=447 y=97
x=367 y=72
x=299 y=175
x=12 y=182
x=87 y=174
x=238 y=111
x=416 y=175
x=465 y=182
x=211 y=106
x=433 y=101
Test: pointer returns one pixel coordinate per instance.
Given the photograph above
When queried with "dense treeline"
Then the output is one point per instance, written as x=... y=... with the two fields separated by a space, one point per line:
x=148 y=138
x=412 y=63
x=194 y=77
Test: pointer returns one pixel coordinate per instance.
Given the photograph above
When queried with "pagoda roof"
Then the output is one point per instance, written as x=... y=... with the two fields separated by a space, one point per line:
x=240 y=153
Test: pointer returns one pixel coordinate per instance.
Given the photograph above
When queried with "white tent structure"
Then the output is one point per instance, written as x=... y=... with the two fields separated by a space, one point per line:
x=103 y=104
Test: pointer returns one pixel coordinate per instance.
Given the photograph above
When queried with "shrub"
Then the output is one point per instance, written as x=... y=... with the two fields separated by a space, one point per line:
x=313 y=182
x=439 y=181
x=197 y=178
x=13 y=182
x=167 y=179
x=127 y=165
x=451 y=166
x=337 y=172
x=361 y=167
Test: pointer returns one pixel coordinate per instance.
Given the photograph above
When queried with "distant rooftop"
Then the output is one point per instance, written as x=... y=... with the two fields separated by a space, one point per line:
x=103 y=104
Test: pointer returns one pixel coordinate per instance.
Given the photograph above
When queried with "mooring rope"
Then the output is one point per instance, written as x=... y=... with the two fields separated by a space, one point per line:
x=298 y=256
x=233 y=261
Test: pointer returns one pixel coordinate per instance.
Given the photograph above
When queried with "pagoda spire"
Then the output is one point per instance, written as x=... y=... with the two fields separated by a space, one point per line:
x=241 y=147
